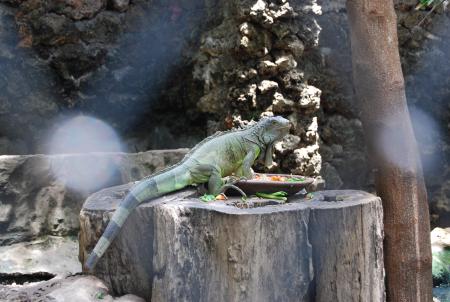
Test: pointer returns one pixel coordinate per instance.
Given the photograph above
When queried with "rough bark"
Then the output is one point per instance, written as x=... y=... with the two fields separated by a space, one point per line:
x=177 y=248
x=379 y=86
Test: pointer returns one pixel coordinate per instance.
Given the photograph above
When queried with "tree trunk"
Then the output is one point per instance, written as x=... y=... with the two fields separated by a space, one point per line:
x=177 y=248
x=379 y=86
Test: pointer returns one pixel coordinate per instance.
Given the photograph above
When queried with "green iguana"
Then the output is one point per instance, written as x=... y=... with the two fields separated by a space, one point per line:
x=218 y=156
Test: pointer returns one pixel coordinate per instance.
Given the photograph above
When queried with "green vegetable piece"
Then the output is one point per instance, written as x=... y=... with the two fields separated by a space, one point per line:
x=280 y=193
x=295 y=179
x=100 y=296
x=208 y=197
x=277 y=195
x=309 y=196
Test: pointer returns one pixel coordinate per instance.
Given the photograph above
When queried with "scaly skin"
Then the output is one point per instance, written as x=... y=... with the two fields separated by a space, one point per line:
x=216 y=157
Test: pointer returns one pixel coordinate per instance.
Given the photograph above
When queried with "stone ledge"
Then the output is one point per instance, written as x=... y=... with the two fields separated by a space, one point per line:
x=34 y=201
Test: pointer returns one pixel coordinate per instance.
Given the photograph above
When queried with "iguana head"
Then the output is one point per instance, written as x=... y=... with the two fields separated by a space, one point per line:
x=273 y=129
x=270 y=130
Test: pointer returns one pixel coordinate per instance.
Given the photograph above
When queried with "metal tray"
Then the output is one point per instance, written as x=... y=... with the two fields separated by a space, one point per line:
x=253 y=186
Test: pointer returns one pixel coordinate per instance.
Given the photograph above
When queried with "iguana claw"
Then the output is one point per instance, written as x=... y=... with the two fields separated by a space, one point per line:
x=232 y=186
x=234 y=179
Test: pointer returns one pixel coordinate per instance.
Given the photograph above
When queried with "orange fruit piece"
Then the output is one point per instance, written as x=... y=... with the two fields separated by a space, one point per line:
x=221 y=197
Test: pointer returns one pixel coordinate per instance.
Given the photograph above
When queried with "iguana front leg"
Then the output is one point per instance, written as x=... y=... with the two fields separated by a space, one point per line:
x=211 y=174
x=245 y=170
x=216 y=185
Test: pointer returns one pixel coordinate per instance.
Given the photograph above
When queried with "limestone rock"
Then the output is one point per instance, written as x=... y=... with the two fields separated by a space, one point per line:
x=289 y=142
x=84 y=9
x=267 y=67
x=53 y=29
x=254 y=43
x=40 y=195
x=105 y=28
x=307 y=161
x=281 y=105
x=310 y=97
x=440 y=237
x=72 y=288
x=293 y=80
x=120 y=5
x=285 y=62
x=293 y=44
x=49 y=254
x=266 y=86
x=86 y=289
x=208 y=102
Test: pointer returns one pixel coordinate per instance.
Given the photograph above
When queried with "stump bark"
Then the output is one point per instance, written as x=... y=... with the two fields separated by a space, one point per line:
x=177 y=248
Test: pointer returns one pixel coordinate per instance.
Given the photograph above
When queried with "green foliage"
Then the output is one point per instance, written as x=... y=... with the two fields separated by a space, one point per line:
x=428 y=3
x=425 y=3
x=441 y=267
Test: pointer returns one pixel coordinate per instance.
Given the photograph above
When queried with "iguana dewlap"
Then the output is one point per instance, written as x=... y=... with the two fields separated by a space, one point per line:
x=216 y=157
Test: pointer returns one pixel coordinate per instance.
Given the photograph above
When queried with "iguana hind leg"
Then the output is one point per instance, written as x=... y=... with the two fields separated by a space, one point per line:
x=216 y=185
x=215 y=182
x=209 y=174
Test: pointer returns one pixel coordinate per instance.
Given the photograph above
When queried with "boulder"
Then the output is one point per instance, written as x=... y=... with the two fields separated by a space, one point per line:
x=43 y=194
x=440 y=246
x=51 y=255
x=72 y=288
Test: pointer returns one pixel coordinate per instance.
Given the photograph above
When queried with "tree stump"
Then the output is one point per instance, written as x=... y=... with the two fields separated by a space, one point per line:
x=177 y=248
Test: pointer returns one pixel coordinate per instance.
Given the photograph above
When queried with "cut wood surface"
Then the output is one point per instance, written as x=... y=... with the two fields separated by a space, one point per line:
x=177 y=248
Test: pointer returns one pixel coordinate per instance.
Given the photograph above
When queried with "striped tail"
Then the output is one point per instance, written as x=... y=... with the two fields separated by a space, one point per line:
x=146 y=189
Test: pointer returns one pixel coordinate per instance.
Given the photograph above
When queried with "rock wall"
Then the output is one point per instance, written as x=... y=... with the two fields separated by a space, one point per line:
x=126 y=63
x=252 y=65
